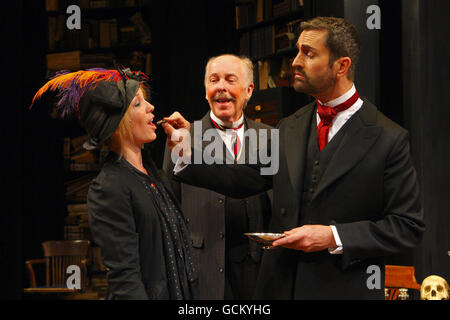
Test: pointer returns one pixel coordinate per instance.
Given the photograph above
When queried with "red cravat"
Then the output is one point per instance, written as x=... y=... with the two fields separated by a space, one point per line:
x=327 y=115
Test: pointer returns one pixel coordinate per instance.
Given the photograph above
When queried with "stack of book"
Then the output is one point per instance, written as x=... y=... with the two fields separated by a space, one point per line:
x=76 y=189
x=97 y=271
x=76 y=222
x=76 y=60
x=99 y=284
x=272 y=73
x=96 y=260
x=77 y=158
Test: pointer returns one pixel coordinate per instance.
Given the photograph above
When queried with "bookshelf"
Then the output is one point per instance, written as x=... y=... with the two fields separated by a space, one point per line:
x=113 y=33
x=268 y=31
x=270 y=105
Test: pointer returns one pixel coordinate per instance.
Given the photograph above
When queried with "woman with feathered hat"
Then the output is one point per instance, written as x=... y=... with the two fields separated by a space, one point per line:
x=133 y=215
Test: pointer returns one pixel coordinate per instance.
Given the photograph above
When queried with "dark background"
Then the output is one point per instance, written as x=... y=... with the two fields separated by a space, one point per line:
x=403 y=69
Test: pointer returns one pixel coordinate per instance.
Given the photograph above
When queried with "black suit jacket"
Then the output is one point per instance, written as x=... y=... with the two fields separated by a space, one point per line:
x=125 y=224
x=369 y=191
x=206 y=213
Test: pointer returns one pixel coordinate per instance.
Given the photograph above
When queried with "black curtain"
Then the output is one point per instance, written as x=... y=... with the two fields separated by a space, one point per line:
x=33 y=168
x=425 y=52
x=11 y=219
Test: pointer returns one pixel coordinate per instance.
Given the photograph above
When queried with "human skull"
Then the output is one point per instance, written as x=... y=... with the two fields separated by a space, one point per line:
x=434 y=288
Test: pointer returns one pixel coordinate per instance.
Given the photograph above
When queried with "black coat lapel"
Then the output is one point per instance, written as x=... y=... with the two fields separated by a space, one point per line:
x=359 y=137
x=295 y=137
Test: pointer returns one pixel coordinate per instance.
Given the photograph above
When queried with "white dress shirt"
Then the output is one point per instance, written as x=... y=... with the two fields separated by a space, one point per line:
x=227 y=135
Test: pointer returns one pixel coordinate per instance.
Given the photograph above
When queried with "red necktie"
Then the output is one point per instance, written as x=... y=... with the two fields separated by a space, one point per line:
x=327 y=114
x=235 y=141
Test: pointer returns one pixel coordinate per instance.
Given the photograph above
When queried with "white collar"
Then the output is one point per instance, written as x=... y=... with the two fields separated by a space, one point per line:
x=341 y=99
x=227 y=124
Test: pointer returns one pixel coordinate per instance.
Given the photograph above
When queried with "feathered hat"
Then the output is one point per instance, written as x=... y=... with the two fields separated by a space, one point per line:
x=99 y=97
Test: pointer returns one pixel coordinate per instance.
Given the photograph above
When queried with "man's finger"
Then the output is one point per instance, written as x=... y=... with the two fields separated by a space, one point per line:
x=168 y=128
x=285 y=241
x=177 y=121
x=292 y=236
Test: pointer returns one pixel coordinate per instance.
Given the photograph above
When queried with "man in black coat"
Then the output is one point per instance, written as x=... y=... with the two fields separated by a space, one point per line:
x=228 y=264
x=346 y=192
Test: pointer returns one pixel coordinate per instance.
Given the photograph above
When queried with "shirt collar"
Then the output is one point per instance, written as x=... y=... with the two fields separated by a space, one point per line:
x=341 y=99
x=227 y=124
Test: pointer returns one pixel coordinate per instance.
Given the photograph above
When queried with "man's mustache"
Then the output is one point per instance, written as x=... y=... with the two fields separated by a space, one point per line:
x=223 y=96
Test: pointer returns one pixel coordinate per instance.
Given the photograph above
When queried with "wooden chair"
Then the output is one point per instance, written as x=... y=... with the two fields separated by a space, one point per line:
x=59 y=255
x=398 y=278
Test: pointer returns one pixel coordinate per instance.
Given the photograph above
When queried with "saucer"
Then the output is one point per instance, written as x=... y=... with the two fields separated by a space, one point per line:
x=265 y=239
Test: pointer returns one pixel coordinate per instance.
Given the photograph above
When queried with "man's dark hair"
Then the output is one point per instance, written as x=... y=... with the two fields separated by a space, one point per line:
x=342 y=40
